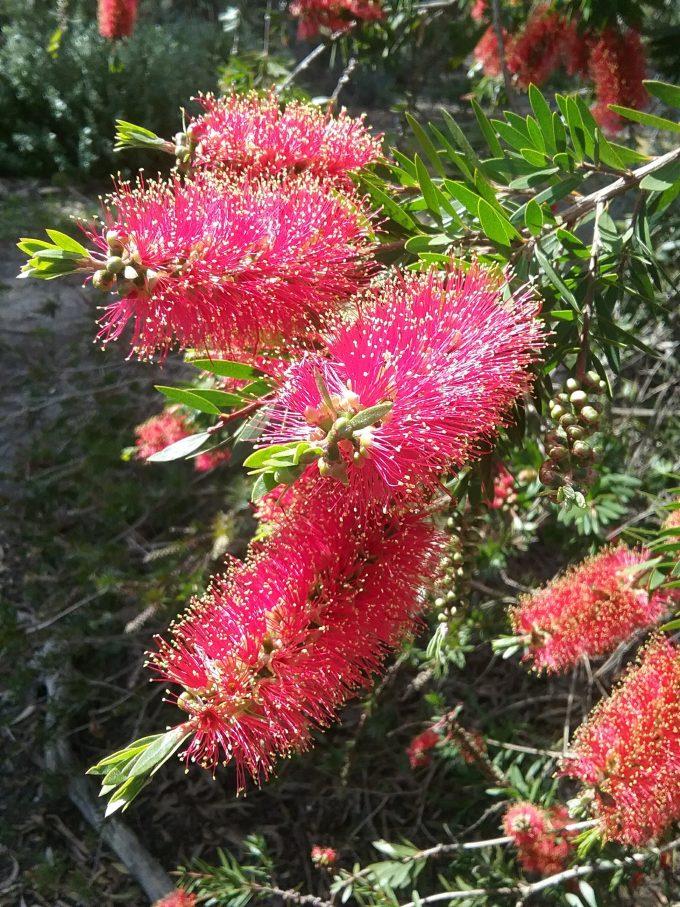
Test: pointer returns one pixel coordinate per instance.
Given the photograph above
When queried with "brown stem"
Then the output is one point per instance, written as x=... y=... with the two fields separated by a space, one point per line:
x=469 y=746
x=226 y=418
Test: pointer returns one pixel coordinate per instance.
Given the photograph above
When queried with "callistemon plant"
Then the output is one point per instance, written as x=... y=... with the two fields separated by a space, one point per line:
x=589 y=609
x=333 y=15
x=415 y=385
x=280 y=642
x=543 y=845
x=627 y=754
x=221 y=263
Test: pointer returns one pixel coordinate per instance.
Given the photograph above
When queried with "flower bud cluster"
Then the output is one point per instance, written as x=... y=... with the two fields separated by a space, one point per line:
x=575 y=410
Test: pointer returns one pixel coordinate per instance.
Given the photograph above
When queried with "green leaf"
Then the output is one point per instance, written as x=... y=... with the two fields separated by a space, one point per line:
x=543 y=114
x=128 y=135
x=181 y=448
x=497 y=228
x=259 y=458
x=221 y=399
x=263 y=483
x=387 y=204
x=646 y=119
x=227 y=369
x=533 y=217
x=426 y=144
x=461 y=141
x=188 y=398
x=469 y=199
x=369 y=416
x=664 y=178
x=664 y=91
x=554 y=277
x=155 y=754
x=427 y=188
x=487 y=130
x=67 y=243
x=534 y=157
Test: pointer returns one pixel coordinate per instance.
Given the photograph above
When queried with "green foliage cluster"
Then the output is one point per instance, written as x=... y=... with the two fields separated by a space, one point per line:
x=58 y=103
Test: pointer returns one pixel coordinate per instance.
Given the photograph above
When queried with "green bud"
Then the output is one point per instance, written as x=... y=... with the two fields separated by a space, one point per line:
x=562 y=397
x=557 y=412
x=581 y=450
x=114 y=241
x=572 y=384
x=590 y=415
x=114 y=264
x=567 y=419
x=558 y=453
x=341 y=428
x=578 y=398
x=576 y=432
x=102 y=280
x=180 y=138
x=592 y=379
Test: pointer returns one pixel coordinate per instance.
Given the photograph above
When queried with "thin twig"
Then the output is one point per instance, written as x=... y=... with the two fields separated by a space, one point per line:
x=309 y=59
x=342 y=81
x=582 y=361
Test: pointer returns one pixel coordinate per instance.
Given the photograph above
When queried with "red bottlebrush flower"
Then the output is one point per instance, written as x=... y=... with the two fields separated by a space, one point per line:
x=177 y=898
x=116 y=18
x=479 y=10
x=252 y=133
x=323 y=856
x=672 y=521
x=221 y=264
x=334 y=15
x=503 y=488
x=535 y=53
x=277 y=646
x=159 y=432
x=628 y=751
x=487 y=54
x=206 y=462
x=588 y=610
x=617 y=67
x=524 y=822
x=442 y=352
x=466 y=752
x=418 y=750
x=576 y=50
x=543 y=846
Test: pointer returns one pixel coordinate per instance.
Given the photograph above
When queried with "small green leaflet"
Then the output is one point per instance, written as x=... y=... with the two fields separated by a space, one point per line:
x=179 y=449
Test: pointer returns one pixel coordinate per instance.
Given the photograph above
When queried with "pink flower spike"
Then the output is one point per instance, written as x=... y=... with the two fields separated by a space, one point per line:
x=219 y=264
x=543 y=847
x=159 y=432
x=116 y=18
x=628 y=751
x=426 y=373
x=617 y=66
x=588 y=610
x=418 y=750
x=252 y=133
x=279 y=644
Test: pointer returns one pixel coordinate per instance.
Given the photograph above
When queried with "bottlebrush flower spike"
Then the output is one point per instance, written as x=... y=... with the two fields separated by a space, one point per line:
x=116 y=18
x=216 y=263
x=323 y=856
x=535 y=53
x=177 y=898
x=588 y=610
x=487 y=53
x=503 y=489
x=415 y=386
x=334 y=15
x=159 y=432
x=542 y=844
x=279 y=644
x=628 y=751
x=252 y=133
x=418 y=750
x=617 y=67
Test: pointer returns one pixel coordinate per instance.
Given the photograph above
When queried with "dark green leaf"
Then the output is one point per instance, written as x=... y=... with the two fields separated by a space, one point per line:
x=544 y=116
x=647 y=119
x=387 y=204
x=487 y=130
x=669 y=94
x=664 y=178
x=496 y=227
x=427 y=188
x=426 y=144
x=533 y=217
x=461 y=141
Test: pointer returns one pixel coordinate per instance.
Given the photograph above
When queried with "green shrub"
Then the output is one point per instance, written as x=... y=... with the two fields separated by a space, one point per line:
x=58 y=106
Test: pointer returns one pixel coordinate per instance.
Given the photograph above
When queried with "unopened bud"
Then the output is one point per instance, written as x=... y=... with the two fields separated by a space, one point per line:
x=558 y=453
x=576 y=432
x=567 y=419
x=581 y=450
x=557 y=412
x=547 y=473
x=102 y=280
x=590 y=415
x=572 y=384
x=114 y=264
x=578 y=398
x=115 y=241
